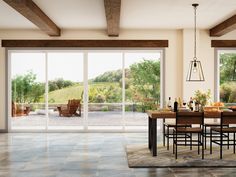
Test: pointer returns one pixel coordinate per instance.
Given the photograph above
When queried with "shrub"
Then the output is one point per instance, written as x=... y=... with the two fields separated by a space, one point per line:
x=228 y=92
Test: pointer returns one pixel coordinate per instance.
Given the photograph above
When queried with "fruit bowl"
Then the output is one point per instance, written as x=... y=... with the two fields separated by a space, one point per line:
x=233 y=108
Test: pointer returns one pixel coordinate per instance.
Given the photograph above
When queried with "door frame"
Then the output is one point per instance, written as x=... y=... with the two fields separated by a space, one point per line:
x=85 y=52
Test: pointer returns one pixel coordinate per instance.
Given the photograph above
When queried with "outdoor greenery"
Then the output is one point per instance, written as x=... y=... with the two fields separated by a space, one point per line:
x=59 y=84
x=26 y=90
x=202 y=97
x=142 y=87
x=228 y=78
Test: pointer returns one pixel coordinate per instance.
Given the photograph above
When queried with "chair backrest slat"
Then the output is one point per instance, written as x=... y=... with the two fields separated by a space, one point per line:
x=73 y=105
x=228 y=117
x=189 y=118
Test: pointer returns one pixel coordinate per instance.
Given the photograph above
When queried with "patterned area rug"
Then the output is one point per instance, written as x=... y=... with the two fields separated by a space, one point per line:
x=139 y=156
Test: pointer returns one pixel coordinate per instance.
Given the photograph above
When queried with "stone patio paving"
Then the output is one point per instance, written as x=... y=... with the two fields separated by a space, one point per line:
x=96 y=118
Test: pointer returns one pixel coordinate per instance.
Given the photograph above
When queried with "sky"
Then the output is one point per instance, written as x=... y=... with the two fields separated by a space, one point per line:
x=69 y=65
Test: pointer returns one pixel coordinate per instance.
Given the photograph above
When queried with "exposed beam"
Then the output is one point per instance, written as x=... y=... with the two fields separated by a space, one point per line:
x=224 y=27
x=112 y=10
x=223 y=43
x=33 y=13
x=86 y=43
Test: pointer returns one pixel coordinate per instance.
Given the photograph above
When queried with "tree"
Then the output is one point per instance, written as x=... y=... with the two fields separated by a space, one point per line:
x=227 y=77
x=109 y=76
x=145 y=78
x=227 y=64
x=25 y=89
x=59 y=83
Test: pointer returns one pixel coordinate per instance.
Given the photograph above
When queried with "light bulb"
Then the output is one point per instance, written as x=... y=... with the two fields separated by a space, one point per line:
x=195 y=66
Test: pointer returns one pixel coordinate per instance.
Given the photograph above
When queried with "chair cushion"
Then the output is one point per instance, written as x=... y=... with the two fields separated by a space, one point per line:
x=189 y=130
x=225 y=130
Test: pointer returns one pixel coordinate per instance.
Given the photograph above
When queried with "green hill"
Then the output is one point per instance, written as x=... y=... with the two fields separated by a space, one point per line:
x=63 y=95
x=75 y=92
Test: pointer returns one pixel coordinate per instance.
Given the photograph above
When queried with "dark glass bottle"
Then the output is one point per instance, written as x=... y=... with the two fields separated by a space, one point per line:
x=191 y=104
x=169 y=103
x=197 y=107
x=175 y=105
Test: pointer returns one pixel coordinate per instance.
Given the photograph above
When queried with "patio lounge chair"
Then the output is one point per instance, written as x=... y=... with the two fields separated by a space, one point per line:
x=19 y=111
x=70 y=109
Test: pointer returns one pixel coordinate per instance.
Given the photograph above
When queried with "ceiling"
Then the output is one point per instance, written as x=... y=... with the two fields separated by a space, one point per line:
x=135 y=14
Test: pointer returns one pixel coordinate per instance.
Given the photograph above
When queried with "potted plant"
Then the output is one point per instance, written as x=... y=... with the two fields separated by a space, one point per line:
x=202 y=98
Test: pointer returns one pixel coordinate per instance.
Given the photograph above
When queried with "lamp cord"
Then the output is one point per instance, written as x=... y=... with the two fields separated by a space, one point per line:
x=195 y=36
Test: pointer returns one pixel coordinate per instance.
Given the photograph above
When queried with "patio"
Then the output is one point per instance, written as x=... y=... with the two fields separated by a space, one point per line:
x=95 y=118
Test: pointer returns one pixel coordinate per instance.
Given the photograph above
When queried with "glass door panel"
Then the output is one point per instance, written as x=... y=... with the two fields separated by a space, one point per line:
x=105 y=89
x=227 y=71
x=65 y=90
x=28 y=91
x=142 y=86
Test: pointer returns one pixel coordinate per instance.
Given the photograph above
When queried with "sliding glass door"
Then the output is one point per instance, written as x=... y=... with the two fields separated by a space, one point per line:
x=65 y=90
x=27 y=88
x=142 y=86
x=105 y=89
x=83 y=90
x=226 y=85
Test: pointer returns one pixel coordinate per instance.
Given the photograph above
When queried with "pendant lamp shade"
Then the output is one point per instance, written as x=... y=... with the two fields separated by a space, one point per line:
x=195 y=71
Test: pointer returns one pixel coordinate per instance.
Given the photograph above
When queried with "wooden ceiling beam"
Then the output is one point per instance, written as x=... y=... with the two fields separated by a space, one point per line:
x=86 y=43
x=224 y=27
x=112 y=10
x=223 y=43
x=32 y=12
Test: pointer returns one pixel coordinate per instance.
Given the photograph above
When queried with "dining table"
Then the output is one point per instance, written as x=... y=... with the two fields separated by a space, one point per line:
x=152 y=124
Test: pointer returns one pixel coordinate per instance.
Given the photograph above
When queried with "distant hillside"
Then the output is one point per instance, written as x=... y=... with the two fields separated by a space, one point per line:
x=109 y=76
x=76 y=92
x=64 y=94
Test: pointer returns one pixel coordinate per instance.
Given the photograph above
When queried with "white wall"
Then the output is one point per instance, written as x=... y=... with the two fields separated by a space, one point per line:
x=206 y=54
x=177 y=56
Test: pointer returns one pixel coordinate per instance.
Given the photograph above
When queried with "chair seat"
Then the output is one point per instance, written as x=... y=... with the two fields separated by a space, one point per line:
x=213 y=124
x=173 y=125
x=225 y=130
x=189 y=130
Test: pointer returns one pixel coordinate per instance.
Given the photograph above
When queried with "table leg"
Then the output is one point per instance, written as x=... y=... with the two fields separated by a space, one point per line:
x=149 y=133
x=164 y=132
x=154 y=137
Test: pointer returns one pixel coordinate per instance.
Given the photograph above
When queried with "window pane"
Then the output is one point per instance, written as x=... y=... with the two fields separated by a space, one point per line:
x=105 y=89
x=142 y=86
x=228 y=77
x=65 y=96
x=28 y=90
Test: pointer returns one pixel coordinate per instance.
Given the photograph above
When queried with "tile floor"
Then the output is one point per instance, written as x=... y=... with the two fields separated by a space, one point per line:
x=81 y=155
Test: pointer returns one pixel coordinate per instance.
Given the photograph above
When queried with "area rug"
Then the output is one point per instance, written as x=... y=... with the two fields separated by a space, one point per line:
x=139 y=156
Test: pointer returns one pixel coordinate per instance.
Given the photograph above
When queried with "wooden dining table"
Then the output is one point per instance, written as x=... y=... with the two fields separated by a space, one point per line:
x=152 y=125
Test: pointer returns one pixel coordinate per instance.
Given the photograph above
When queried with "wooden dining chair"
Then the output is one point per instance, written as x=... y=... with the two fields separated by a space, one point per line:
x=208 y=125
x=168 y=132
x=227 y=118
x=191 y=118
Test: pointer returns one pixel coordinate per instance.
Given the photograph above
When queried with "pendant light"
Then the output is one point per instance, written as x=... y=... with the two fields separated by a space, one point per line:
x=195 y=72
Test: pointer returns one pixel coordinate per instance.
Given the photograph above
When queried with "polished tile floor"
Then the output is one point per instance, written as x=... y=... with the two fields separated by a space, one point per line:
x=81 y=155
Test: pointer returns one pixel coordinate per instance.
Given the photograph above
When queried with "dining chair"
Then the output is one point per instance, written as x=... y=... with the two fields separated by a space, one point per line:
x=196 y=120
x=228 y=118
x=168 y=132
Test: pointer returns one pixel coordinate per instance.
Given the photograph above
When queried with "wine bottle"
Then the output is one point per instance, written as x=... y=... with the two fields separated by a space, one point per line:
x=196 y=106
x=175 y=105
x=191 y=104
x=169 y=103
x=180 y=102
